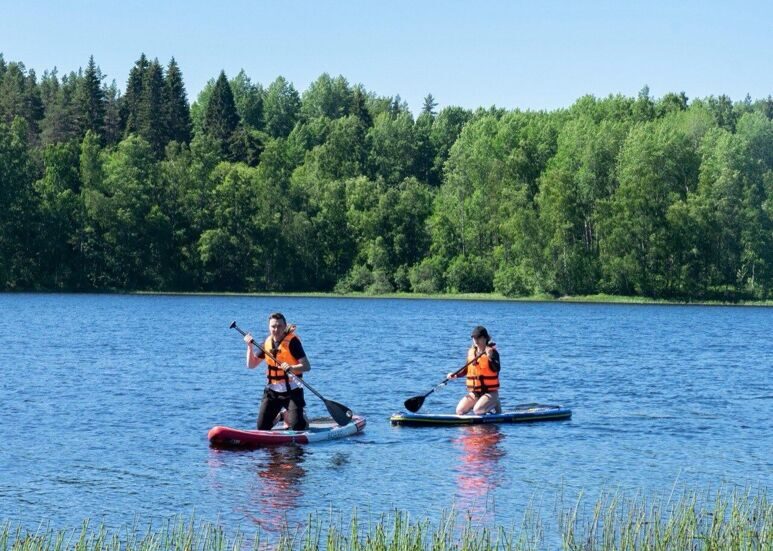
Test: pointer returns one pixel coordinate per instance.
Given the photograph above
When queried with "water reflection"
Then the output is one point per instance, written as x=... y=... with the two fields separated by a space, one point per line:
x=478 y=470
x=278 y=487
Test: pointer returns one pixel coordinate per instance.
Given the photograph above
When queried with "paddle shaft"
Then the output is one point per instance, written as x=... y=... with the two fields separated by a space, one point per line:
x=456 y=373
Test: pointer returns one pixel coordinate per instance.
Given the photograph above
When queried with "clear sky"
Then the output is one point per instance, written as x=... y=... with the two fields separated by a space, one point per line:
x=512 y=54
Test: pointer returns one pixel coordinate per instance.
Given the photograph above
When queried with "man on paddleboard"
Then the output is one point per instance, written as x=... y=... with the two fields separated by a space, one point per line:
x=482 y=373
x=282 y=389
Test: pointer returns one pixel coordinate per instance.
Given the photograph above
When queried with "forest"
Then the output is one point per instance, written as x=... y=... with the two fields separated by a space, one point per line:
x=262 y=188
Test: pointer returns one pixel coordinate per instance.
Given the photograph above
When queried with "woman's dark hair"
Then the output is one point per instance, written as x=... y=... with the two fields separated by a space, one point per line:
x=480 y=331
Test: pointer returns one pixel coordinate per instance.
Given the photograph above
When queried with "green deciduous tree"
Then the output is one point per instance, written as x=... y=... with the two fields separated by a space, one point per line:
x=129 y=229
x=581 y=174
x=248 y=98
x=19 y=212
x=281 y=108
x=58 y=193
x=656 y=168
x=327 y=97
x=393 y=147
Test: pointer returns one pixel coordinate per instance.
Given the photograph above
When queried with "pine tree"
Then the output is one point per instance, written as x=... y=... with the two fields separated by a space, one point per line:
x=429 y=105
x=20 y=97
x=177 y=115
x=60 y=121
x=221 y=118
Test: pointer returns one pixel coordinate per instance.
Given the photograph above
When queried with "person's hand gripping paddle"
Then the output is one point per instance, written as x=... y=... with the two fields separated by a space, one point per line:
x=414 y=404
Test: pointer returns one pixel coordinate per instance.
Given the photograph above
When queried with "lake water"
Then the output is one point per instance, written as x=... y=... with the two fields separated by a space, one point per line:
x=105 y=402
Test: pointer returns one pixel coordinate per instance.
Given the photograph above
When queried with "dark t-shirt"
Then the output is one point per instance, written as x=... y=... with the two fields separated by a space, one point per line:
x=494 y=360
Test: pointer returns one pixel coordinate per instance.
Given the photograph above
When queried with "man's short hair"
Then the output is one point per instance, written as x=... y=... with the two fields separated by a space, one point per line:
x=277 y=316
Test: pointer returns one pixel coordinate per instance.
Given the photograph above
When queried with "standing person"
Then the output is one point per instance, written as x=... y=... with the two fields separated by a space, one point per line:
x=482 y=376
x=282 y=390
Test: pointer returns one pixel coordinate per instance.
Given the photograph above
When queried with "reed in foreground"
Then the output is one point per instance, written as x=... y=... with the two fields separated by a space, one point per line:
x=733 y=521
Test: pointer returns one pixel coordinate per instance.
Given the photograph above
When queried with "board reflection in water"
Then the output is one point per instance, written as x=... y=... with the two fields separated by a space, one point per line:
x=478 y=469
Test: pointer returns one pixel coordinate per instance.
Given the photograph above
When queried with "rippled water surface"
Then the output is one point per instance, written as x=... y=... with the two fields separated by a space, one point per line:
x=105 y=402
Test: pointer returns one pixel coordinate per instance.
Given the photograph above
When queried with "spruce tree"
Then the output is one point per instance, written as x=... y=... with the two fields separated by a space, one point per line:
x=131 y=101
x=150 y=117
x=90 y=100
x=177 y=116
x=112 y=128
x=221 y=118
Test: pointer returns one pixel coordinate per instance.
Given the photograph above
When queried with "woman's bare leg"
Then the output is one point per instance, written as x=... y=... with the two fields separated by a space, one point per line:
x=465 y=404
x=486 y=403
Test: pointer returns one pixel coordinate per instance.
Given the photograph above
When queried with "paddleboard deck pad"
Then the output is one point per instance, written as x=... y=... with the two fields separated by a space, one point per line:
x=523 y=413
x=319 y=430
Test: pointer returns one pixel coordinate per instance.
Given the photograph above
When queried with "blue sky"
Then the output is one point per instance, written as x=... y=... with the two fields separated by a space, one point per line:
x=517 y=54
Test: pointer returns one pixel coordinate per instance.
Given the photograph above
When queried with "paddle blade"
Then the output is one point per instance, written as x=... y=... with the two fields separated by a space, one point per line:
x=414 y=404
x=339 y=412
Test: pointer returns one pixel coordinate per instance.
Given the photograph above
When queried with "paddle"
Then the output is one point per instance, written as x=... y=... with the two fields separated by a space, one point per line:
x=339 y=412
x=414 y=404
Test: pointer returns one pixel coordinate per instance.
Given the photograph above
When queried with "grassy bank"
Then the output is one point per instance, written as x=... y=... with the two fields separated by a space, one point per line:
x=733 y=521
x=597 y=299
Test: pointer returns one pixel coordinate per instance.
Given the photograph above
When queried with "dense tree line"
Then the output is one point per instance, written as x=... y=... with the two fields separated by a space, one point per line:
x=255 y=188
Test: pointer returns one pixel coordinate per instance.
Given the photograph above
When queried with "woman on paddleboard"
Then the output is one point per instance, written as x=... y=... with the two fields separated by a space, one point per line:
x=282 y=389
x=482 y=373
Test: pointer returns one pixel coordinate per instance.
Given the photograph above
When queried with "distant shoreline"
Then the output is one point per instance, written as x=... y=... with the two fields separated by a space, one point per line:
x=492 y=297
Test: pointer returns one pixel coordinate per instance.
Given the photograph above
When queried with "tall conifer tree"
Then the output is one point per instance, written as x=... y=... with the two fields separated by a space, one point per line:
x=90 y=100
x=131 y=101
x=177 y=116
x=113 y=129
x=221 y=118
x=151 y=120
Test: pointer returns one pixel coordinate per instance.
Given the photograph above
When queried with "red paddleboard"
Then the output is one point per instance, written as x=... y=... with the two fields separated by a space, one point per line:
x=318 y=430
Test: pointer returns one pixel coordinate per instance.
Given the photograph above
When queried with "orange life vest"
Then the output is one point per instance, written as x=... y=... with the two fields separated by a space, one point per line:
x=274 y=373
x=480 y=377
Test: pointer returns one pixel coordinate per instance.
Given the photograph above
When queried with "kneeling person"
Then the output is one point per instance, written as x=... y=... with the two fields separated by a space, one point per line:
x=482 y=373
x=282 y=390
